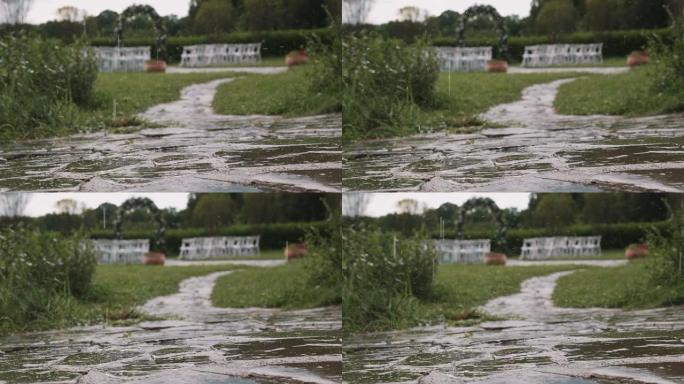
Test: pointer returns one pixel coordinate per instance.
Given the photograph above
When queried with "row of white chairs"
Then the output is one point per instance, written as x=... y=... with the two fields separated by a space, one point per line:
x=121 y=251
x=544 y=248
x=463 y=59
x=203 y=248
x=115 y=59
x=562 y=54
x=205 y=55
x=462 y=251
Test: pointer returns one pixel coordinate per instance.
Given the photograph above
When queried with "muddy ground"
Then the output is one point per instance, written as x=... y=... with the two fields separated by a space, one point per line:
x=194 y=151
x=534 y=147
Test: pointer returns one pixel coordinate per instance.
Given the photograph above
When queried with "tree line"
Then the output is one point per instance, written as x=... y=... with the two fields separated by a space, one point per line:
x=547 y=17
x=207 y=211
x=546 y=210
x=204 y=17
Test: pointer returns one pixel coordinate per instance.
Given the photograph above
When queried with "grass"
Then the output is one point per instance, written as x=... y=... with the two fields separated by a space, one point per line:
x=626 y=287
x=116 y=292
x=280 y=94
x=471 y=94
x=460 y=289
x=629 y=94
x=134 y=93
x=475 y=93
x=286 y=287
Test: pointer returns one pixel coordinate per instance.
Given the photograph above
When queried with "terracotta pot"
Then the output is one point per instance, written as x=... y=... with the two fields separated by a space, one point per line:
x=638 y=58
x=494 y=258
x=636 y=251
x=497 y=66
x=154 y=258
x=297 y=58
x=155 y=66
x=295 y=251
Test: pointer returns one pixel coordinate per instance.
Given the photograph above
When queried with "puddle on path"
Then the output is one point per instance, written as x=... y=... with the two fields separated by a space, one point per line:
x=198 y=151
x=540 y=149
x=200 y=344
x=538 y=344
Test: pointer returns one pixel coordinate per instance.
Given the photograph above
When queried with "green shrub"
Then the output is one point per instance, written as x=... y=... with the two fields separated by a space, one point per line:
x=40 y=80
x=325 y=68
x=666 y=252
x=40 y=273
x=324 y=256
x=384 y=278
x=386 y=82
x=274 y=43
x=667 y=70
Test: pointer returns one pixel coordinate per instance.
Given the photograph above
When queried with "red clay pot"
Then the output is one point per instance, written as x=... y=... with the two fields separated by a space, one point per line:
x=155 y=66
x=154 y=258
x=297 y=58
x=494 y=258
x=497 y=66
x=636 y=251
x=295 y=251
x=638 y=58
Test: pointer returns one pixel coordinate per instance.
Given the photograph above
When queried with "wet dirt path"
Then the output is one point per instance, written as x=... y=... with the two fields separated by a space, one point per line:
x=536 y=147
x=534 y=343
x=196 y=151
x=192 y=342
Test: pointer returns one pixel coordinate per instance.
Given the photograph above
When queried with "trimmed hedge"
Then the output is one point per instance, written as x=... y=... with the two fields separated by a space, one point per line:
x=615 y=236
x=273 y=236
x=275 y=43
x=615 y=43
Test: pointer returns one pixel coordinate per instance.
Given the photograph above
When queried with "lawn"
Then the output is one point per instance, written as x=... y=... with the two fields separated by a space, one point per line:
x=281 y=94
x=116 y=292
x=277 y=287
x=629 y=94
x=460 y=289
x=458 y=105
x=134 y=93
x=620 y=287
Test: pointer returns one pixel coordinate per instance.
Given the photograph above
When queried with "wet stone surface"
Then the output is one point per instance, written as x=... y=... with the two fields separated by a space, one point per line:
x=199 y=344
x=536 y=147
x=538 y=344
x=195 y=151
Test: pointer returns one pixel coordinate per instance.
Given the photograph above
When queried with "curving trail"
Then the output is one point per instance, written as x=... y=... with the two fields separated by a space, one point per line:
x=535 y=147
x=533 y=343
x=192 y=342
x=195 y=150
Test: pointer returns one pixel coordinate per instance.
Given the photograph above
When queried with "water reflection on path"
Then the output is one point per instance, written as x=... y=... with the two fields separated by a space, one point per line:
x=538 y=344
x=208 y=345
x=195 y=151
x=536 y=148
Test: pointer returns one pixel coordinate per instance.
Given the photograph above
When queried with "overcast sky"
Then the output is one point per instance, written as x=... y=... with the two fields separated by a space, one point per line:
x=44 y=203
x=45 y=10
x=387 y=10
x=385 y=203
